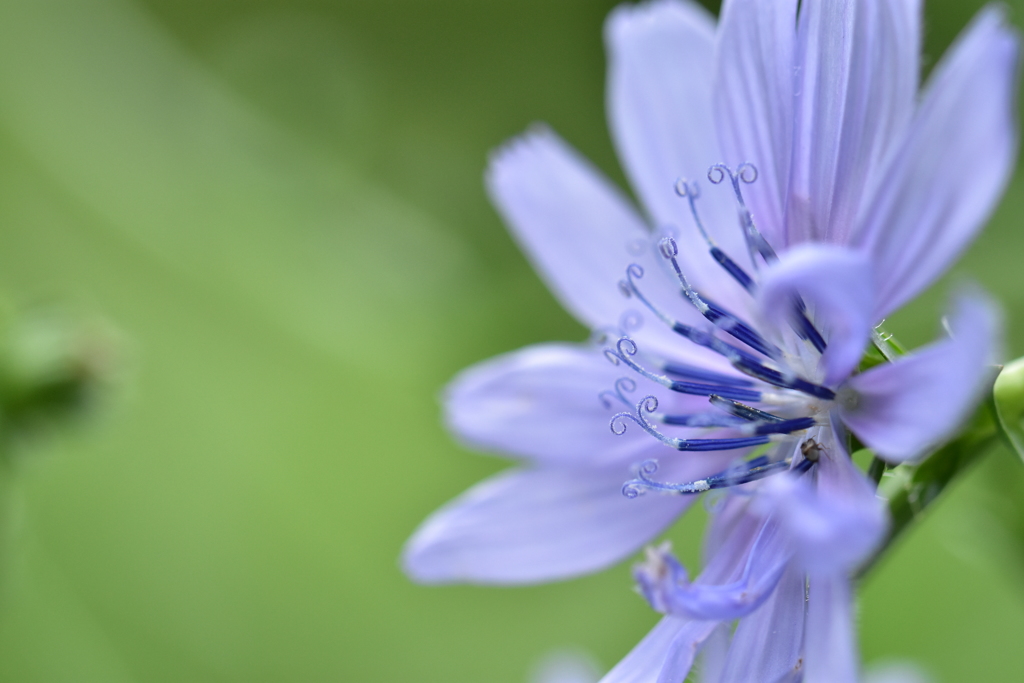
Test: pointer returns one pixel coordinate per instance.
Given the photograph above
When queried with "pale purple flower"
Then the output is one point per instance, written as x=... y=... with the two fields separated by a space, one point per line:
x=735 y=337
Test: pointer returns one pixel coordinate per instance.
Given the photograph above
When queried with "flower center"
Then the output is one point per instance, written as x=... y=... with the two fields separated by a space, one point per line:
x=788 y=402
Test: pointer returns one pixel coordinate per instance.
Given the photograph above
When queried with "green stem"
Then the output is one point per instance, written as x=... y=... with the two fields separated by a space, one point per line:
x=911 y=491
x=876 y=470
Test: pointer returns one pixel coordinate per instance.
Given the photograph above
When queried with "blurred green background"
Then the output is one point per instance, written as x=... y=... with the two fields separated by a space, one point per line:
x=279 y=205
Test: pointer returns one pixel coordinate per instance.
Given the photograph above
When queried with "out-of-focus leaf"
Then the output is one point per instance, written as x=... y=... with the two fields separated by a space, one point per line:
x=1009 y=404
x=174 y=162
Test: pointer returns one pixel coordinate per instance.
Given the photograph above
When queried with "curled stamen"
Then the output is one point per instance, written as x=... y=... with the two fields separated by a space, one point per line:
x=650 y=403
x=633 y=488
x=669 y=249
x=626 y=348
x=623 y=385
x=686 y=189
x=740 y=359
x=691 y=192
x=744 y=473
x=629 y=288
x=747 y=174
x=714 y=313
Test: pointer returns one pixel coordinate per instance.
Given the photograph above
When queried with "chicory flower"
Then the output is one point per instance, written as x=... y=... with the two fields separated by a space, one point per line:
x=854 y=192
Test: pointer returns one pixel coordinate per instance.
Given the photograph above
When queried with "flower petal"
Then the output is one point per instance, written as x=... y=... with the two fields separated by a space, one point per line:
x=768 y=644
x=712 y=660
x=581 y=234
x=668 y=650
x=758 y=574
x=831 y=645
x=946 y=177
x=904 y=408
x=836 y=283
x=857 y=66
x=553 y=403
x=575 y=227
x=834 y=525
x=659 y=110
x=534 y=525
x=545 y=402
x=753 y=101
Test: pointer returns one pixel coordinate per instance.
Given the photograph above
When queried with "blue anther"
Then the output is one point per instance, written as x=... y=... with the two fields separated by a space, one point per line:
x=740 y=410
x=776 y=378
x=733 y=269
x=702 y=375
x=740 y=330
x=626 y=348
x=650 y=403
x=701 y=420
x=714 y=313
x=786 y=426
x=745 y=173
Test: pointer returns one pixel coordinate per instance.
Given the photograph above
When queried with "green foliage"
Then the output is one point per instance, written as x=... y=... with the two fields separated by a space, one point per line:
x=912 y=488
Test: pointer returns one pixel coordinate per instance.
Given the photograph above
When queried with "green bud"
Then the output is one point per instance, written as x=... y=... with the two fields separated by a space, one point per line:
x=1008 y=394
x=53 y=365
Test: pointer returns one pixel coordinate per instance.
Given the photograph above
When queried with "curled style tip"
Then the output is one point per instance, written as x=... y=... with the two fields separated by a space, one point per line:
x=649 y=404
x=623 y=348
x=618 y=421
x=623 y=386
x=627 y=286
x=717 y=173
x=626 y=346
x=637 y=487
x=745 y=173
x=685 y=188
x=668 y=247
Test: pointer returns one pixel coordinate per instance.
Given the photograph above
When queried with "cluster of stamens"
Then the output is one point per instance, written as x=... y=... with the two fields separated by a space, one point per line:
x=768 y=377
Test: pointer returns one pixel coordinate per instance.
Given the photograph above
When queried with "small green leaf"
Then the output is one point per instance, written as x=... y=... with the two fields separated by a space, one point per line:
x=1008 y=393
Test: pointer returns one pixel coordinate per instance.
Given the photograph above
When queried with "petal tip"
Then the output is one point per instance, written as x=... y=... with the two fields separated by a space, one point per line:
x=626 y=20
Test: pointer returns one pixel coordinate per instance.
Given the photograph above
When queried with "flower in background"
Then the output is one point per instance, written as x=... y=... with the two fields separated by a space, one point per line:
x=743 y=341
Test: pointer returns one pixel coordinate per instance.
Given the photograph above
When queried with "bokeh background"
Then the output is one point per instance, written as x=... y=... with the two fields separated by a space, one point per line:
x=278 y=204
